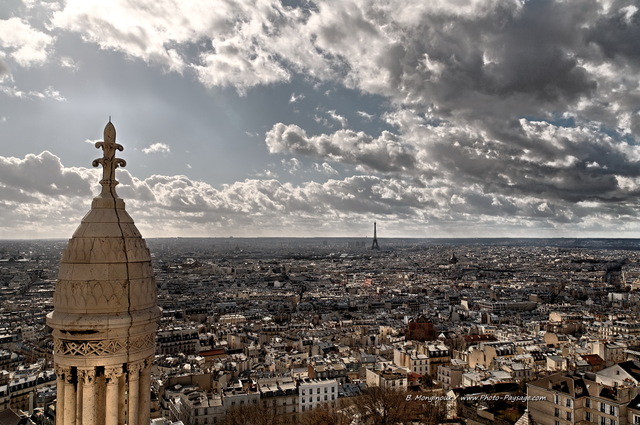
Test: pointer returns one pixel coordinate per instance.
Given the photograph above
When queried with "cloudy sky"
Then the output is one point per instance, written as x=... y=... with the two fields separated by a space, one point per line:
x=450 y=118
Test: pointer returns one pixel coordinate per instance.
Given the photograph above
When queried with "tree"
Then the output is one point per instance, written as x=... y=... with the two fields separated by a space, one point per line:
x=324 y=414
x=382 y=406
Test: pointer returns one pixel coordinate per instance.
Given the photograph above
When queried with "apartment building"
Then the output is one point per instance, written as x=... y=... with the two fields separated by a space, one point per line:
x=313 y=392
x=602 y=398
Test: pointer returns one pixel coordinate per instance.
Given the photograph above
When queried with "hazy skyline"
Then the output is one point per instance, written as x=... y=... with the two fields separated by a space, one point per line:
x=269 y=118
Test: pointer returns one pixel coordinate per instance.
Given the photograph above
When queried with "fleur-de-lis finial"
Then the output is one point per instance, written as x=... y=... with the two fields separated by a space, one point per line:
x=109 y=161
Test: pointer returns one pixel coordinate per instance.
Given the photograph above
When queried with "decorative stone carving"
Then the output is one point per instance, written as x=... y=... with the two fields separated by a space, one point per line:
x=143 y=293
x=105 y=295
x=99 y=296
x=112 y=374
x=109 y=161
x=69 y=378
x=140 y=343
x=87 y=376
x=63 y=372
x=89 y=348
x=134 y=368
x=102 y=347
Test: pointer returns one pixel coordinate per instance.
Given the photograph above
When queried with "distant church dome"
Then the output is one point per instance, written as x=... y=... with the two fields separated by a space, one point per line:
x=105 y=313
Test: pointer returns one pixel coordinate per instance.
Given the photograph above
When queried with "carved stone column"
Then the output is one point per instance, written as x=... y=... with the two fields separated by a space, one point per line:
x=112 y=376
x=145 y=393
x=122 y=397
x=133 y=374
x=61 y=372
x=69 y=389
x=88 y=379
x=101 y=396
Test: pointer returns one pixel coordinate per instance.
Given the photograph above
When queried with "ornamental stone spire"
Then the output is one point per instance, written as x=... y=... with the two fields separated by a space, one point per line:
x=109 y=161
x=105 y=313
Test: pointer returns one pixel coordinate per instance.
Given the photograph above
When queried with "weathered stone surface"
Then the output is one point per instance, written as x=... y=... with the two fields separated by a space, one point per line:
x=105 y=312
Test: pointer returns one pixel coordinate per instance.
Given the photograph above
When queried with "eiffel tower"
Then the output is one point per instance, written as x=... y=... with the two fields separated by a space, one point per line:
x=375 y=238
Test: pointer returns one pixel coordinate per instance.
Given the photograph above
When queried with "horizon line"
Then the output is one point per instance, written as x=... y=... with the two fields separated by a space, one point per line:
x=347 y=237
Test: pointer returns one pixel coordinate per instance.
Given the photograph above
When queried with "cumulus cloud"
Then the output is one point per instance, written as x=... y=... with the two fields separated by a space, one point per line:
x=540 y=159
x=157 y=148
x=498 y=112
x=475 y=62
x=40 y=189
x=43 y=174
x=384 y=153
x=224 y=43
x=24 y=44
x=522 y=55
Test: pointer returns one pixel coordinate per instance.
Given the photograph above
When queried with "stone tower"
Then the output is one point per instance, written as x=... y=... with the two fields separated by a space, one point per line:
x=105 y=313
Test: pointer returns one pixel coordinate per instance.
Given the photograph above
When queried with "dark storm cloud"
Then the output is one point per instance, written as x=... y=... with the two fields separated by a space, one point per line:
x=511 y=98
x=511 y=60
x=618 y=33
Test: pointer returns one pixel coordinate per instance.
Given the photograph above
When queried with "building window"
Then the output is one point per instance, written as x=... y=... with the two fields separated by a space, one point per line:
x=568 y=402
x=587 y=416
x=603 y=420
x=636 y=420
x=603 y=407
x=556 y=399
x=568 y=416
x=587 y=403
x=556 y=412
x=612 y=410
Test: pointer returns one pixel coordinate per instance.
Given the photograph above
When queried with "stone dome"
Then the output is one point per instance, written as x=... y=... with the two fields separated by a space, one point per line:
x=105 y=296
